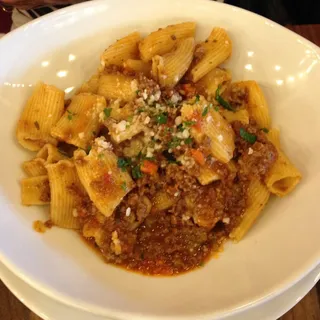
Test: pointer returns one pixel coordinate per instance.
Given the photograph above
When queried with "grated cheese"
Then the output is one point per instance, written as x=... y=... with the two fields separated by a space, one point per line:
x=128 y=211
x=81 y=135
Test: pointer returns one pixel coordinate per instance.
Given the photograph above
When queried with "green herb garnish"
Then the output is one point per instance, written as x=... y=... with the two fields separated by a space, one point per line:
x=189 y=123
x=188 y=141
x=140 y=110
x=124 y=186
x=123 y=163
x=216 y=108
x=107 y=112
x=180 y=127
x=88 y=149
x=174 y=143
x=36 y=124
x=225 y=104
x=136 y=172
x=138 y=92
x=70 y=114
x=205 y=111
x=249 y=137
x=162 y=118
x=197 y=99
x=265 y=130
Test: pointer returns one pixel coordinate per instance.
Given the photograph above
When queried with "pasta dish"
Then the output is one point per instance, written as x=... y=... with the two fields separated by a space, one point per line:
x=159 y=157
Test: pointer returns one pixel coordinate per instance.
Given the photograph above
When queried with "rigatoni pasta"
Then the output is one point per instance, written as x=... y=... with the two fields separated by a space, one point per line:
x=80 y=123
x=66 y=194
x=104 y=182
x=159 y=157
x=258 y=196
x=124 y=49
x=117 y=86
x=35 y=191
x=42 y=111
x=212 y=53
x=167 y=70
x=283 y=176
x=163 y=40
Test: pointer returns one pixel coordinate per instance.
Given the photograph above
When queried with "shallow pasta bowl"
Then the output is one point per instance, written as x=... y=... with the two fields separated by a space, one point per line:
x=63 y=49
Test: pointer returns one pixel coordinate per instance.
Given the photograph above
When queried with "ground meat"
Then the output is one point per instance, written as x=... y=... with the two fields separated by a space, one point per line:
x=254 y=159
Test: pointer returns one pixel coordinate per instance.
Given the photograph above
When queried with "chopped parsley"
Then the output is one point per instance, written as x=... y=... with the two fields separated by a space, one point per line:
x=188 y=141
x=130 y=118
x=205 y=111
x=168 y=129
x=88 y=149
x=136 y=172
x=197 y=99
x=247 y=136
x=140 y=110
x=162 y=118
x=225 y=104
x=216 y=108
x=36 y=124
x=107 y=112
x=265 y=130
x=180 y=127
x=124 y=186
x=174 y=143
x=138 y=92
x=189 y=123
x=70 y=114
x=123 y=163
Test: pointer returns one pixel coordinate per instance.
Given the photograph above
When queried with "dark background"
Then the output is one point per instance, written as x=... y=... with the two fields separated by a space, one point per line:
x=281 y=11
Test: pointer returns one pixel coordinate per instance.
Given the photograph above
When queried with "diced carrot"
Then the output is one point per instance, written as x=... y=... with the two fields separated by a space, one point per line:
x=149 y=167
x=197 y=117
x=198 y=156
x=189 y=89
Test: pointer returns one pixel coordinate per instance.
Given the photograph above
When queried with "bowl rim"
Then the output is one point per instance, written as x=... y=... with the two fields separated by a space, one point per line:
x=112 y=314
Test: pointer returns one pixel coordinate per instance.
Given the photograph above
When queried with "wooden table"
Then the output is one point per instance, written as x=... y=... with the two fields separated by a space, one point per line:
x=307 y=309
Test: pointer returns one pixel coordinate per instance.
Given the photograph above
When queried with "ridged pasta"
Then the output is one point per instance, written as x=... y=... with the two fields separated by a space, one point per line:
x=163 y=40
x=90 y=86
x=207 y=175
x=34 y=167
x=257 y=104
x=105 y=183
x=43 y=109
x=283 y=177
x=80 y=123
x=138 y=66
x=119 y=52
x=208 y=85
x=35 y=191
x=216 y=50
x=212 y=127
x=171 y=67
x=66 y=194
x=258 y=196
x=117 y=86
x=46 y=155
x=241 y=115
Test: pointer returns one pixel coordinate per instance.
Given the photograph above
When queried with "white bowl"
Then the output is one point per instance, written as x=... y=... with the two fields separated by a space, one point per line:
x=283 y=245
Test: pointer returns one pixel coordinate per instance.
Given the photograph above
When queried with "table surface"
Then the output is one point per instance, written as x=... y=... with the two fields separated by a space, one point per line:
x=307 y=309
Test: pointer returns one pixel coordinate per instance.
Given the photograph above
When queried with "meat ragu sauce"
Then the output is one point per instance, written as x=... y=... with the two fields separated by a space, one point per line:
x=169 y=223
